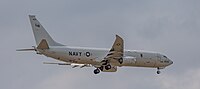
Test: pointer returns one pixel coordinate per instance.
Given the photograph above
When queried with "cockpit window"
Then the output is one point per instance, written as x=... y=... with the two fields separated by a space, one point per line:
x=164 y=56
x=141 y=55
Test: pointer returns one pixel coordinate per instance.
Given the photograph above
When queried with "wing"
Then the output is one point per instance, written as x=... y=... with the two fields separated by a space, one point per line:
x=116 y=52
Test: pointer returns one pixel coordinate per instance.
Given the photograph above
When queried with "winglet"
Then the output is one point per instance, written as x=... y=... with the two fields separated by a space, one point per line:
x=118 y=44
x=25 y=49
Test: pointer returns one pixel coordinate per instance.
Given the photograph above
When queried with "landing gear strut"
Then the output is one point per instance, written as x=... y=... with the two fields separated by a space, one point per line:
x=101 y=68
x=104 y=62
x=158 y=72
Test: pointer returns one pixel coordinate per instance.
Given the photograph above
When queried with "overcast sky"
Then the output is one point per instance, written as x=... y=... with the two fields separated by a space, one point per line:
x=171 y=27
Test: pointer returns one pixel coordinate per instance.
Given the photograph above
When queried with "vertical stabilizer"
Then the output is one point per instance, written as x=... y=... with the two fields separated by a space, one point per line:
x=40 y=33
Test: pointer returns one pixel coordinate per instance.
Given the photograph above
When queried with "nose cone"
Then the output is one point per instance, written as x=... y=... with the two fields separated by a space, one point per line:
x=170 y=62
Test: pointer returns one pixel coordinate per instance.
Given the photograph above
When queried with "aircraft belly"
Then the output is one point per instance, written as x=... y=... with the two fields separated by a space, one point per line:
x=145 y=63
x=80 y=60
x=129 y=63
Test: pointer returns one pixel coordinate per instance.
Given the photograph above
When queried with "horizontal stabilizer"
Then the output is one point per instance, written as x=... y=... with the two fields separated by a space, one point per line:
x=25 y=50
x=57 y=63
x=74 y=65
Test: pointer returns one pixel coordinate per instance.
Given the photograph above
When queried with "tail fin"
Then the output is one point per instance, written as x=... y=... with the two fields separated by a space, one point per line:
x=40 y=33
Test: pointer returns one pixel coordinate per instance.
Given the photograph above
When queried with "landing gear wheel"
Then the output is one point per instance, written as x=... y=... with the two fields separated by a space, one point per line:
x=158 y=72
x=96 y=71
x=107 y=67
x=120 y=60
x=101 y=68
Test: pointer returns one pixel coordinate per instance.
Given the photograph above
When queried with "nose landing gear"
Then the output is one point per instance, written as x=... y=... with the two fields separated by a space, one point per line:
x=158 y=70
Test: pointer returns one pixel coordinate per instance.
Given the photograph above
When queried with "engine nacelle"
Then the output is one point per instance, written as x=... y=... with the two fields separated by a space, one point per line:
x=113 y=69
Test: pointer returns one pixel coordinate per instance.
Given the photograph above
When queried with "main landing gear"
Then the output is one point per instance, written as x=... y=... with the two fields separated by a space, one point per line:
x=99 y=69
x=120 y=60
x=158 y=70
x=105 y=64
x=107 y=67
x=96 y=71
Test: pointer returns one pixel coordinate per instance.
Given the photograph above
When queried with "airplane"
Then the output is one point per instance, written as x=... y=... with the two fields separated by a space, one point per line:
x=103 y=60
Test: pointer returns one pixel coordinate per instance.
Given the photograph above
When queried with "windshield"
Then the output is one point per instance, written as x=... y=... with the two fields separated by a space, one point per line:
x=165 y=56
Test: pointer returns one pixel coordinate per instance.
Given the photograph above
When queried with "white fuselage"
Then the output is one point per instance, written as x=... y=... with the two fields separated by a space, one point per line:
x=105 y=60
x=94 y=56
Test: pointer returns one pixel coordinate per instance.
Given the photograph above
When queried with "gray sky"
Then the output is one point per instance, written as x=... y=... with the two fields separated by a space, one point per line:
x=171 y=27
